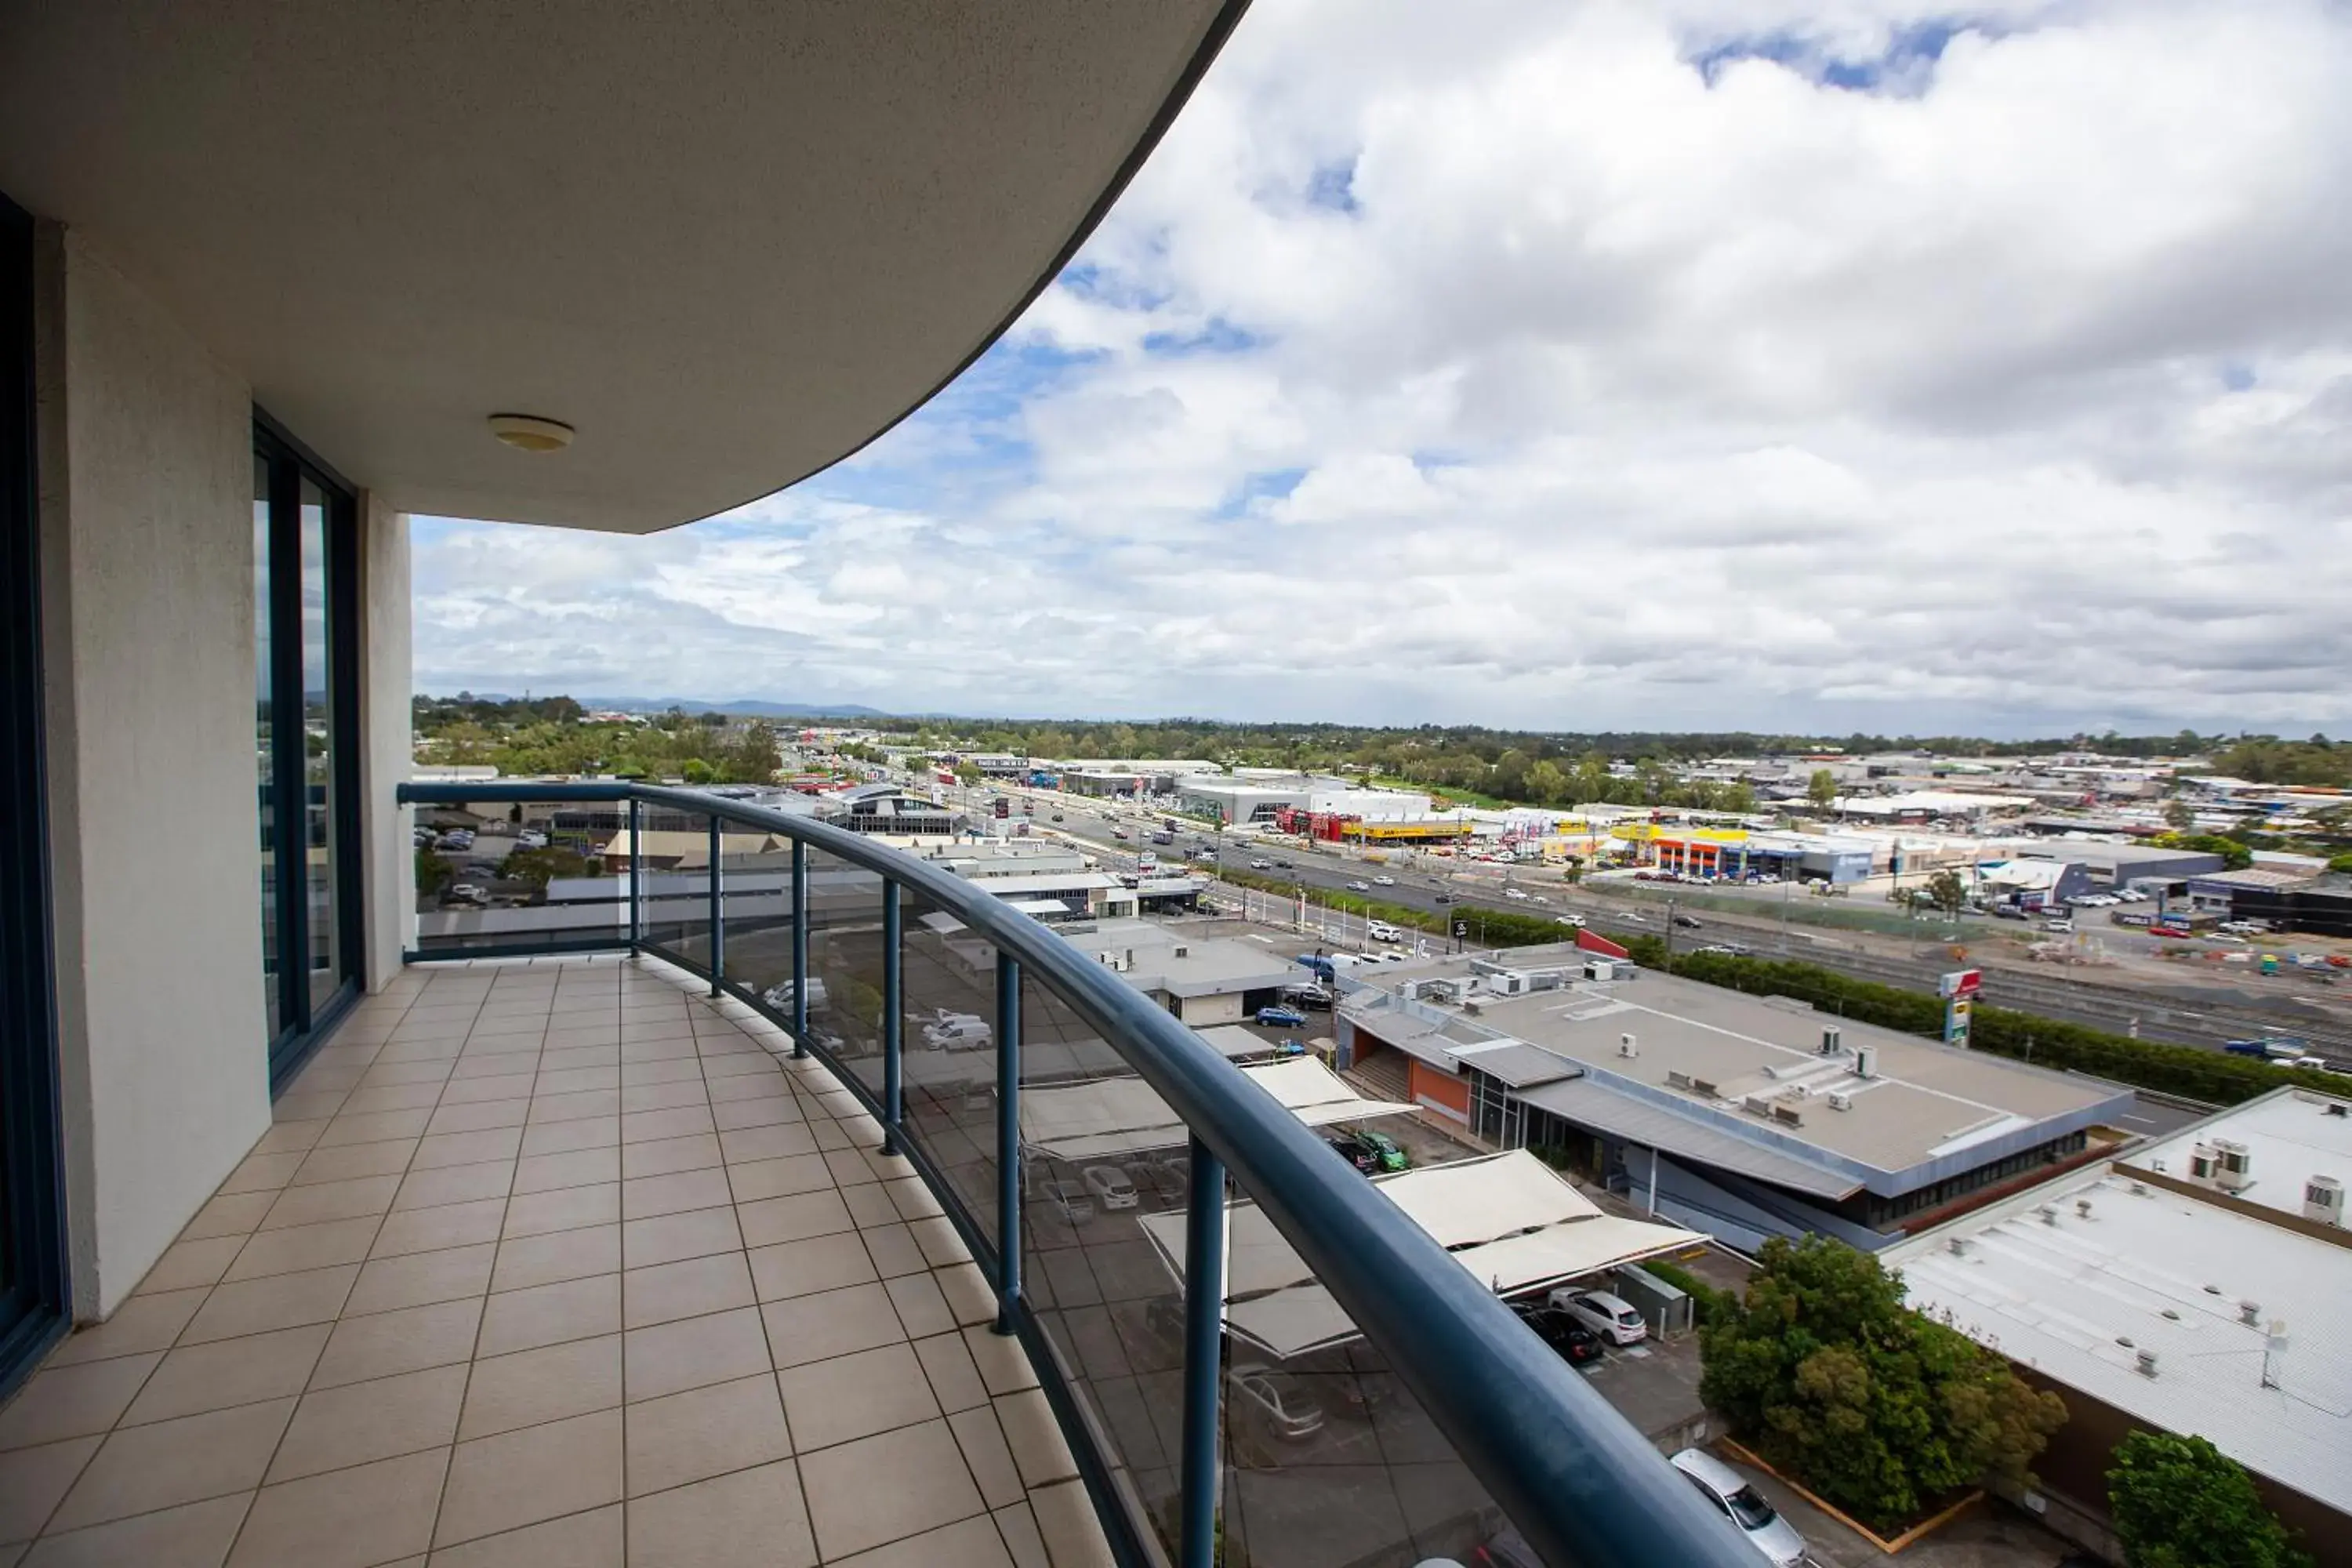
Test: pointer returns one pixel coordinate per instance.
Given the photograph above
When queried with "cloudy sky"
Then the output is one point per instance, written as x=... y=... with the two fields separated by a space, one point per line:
x=1685 y=364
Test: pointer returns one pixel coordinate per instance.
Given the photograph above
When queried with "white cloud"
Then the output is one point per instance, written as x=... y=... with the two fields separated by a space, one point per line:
x=1499 y=362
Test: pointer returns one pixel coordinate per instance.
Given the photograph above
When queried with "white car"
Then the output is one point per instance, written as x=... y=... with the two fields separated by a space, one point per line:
x=1110 y=1187
x=780 y=997
x=1381 y=930
x=957 y=1032
x=1384 y=881
x=1359 y=886
x=1514 y=893
x=1733 y=1498
x=1574 y=921
x=1606 y=1315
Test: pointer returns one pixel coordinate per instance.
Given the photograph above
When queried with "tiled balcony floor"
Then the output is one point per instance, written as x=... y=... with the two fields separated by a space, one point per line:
x=559 y=1264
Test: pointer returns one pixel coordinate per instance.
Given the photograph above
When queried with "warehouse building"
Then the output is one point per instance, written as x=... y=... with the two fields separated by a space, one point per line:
x=2113 y=865
x=1742 y=1116
x=1201 y=980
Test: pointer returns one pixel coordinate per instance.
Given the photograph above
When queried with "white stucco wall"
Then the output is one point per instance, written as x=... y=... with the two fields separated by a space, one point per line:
x=386 y=685
x=147 y=537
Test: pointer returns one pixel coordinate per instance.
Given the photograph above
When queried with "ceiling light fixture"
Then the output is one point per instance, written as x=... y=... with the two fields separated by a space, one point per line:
x=529 y=433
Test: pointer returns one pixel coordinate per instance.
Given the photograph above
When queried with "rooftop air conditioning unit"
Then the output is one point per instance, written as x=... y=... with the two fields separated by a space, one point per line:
x=2233 y=1165
x=1841 y=1102
x=1760 y=1104
x=1182 y=951
x=1703 y=1085
x=1831 y=1042
x=1789 y=1114
x=1866 y=1061
x=2323 y=1200
x=1677 y=1079
x=1628 y=1047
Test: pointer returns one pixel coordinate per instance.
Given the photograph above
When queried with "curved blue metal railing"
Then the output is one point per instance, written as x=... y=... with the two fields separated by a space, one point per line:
x=1576 y=1479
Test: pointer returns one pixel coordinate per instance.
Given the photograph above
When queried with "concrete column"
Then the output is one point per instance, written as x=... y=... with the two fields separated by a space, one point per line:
x=385 y=742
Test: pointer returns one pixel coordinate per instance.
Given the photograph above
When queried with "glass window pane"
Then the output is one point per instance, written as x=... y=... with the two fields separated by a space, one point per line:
x=264 y=754
x=321 y=808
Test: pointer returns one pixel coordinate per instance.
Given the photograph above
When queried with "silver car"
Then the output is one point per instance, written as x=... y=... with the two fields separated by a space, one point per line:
x=1742 y=1504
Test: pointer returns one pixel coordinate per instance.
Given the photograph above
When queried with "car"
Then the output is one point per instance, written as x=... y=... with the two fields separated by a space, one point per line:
x=1109 y=1187
x=465 y=893
x=2008 y=912
x=1508 y=1549
x=1542 y=900
x=953 y=1031
x=1057 y=816
x=780 y=996
x=1739 y=1502
x=1355 y=1150
x=1444 y=898
x=1381 y=930
x=1069 y=1201
x=1576 y=1344
x=1387 y=1149
x=530 y=838
x=1514 y=895
x=1606 y=1315
x=1688 y=922
x=1574 y=922
x=2062 y=925
x=1384 y=881
x=1359 y=886
x=1281 y=865
x=1118 y=833
x=1261 y=865
x=1281 y=1017
x=1278 y=1401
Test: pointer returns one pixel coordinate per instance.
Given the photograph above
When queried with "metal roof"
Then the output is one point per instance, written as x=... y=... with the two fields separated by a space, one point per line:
x=1603 y=1109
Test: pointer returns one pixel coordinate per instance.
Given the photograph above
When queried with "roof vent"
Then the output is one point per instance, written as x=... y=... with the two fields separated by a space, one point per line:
x=1704 y=1086
x=2083 y=1208
x=1761 y=1104
x=1957 y=1246
x=2336 y=1107
x=1789 y=1114
x=1628 y=1047
x=1841 y=1102
x=2250 y=1313
x=1677 y=1079
x=2148 y=1364
x=2049 y=1213
x=2139 y=1189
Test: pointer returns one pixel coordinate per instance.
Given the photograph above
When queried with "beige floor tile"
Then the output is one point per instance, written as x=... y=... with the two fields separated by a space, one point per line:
x=433 y=1230
x=74 y=1401
x=344 y=1518
x=381 y=1126
x=474 y=1090
x=732 y=1114
x=140 y=1469
x=880 y=1489
x=991 y=1459
x=350 y=1161
x=595 y=1538
x=324 y=1201
x=497 y=1055
x=479 y=1117
x=33 y=1480
x=939 y=1240
x=540 y=1472
x=779 y=1178
x=894 y=1251
x=668 y=1157
x=577 y=1079
x=454 y=1184
x=674 y=1357
x=772 y=1220
x=855 y=1396
x=1004 y=1366
x=771 y=1088
x=445 y=1148
x=971 y=1543
x=871 y=1207
x=140 y=1324
x=231 y=1214
x=574 y=1168
x=806 y=1268
x=557 y=1256
x=1035 y=1438
x=376 y=1099
x=1065 y=1517
x=262 y=1173
x=685 y=1068
x=550 y=1314
x=955 y=1381
x=912 y=1199
x=306 y=1107
x=1018 y=1526
x=703 y=1432
x=849 y=1166
x=575 y=1057
x=574 y=1107
x=305 y=1246
x=197 y=1378
x=671 y=1238
x=805 y=1329
x=690 y=1288
x=922 y=1307
x=566 y=1208
x=752 y=1518
x=363 y=1422
x=420 y=1279
x=674 y=1121
x=570 y=1137
x=290 y=1137
x=778 y=1142
x=384 y=1345
x=683 y=1094
x=193 y=1535
x=281 y=1301
x=647 y=1196
x=970 y=1295
x=550 y=1383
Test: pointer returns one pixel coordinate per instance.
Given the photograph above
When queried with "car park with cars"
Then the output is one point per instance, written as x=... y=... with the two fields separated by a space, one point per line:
x=1281 y=1017
x=1563 y=1331
x=1609 y=1316
x=1774 y=1537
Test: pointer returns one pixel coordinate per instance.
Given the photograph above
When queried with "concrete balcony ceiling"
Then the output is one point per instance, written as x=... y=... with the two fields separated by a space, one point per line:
x=729 y=243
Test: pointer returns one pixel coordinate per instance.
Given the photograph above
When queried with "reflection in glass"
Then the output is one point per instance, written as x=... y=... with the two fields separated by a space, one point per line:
x=326 y=967
x=264 y=754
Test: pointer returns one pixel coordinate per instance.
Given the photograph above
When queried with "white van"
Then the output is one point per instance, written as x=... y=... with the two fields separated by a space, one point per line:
x=957 y=1032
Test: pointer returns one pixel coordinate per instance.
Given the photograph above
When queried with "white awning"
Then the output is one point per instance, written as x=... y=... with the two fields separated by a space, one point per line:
x=1115 y=1116
x=1507 y=1218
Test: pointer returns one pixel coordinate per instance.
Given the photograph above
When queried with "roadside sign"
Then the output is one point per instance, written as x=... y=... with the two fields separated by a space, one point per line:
x=1961 y=983
x=1461 y=928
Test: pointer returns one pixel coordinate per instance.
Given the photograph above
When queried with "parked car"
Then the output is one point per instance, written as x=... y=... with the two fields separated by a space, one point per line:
x=1604 y=1314
x=1278 y=1017
x=2006 y=912
x=1384 y=881
x=952 y=1031
x=1279 y=1401
x=1561 y=1331
x=1508 y=1549
x=2062 y=924
x=1387 y=1149
x=1109 y=1187
x=1728 y=1491
x=530 y=838
x=465 y=893
x=1069 y=1200
x=1355 y=1150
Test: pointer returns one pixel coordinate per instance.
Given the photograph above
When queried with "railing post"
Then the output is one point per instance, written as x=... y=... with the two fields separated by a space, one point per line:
x=718 y=915
x=636 y=875
x=1205 y=1332
x=894 y=1018
x=1008 y=1138
x=800 y=948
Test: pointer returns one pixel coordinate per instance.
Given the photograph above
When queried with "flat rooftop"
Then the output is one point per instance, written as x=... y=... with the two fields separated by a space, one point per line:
x=1754 y=1066
x=1156 y=958
x=2291 y=1135
x=2077 y=1297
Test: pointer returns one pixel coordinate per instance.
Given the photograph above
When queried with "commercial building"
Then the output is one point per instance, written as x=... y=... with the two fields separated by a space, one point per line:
x=2319 y=903
x=1745 y=1116
x=2194 y=1285
x=2116 y=865
x=884 y=808
x=1201 y=980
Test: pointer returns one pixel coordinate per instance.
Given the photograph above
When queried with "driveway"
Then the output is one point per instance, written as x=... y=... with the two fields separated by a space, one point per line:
x=1989 y=1535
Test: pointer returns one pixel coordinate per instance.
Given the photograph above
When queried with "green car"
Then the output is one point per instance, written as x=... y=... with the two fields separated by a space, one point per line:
x=1391 y=1156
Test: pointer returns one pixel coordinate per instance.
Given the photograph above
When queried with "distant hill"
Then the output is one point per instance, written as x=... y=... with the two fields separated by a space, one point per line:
x=745 y=706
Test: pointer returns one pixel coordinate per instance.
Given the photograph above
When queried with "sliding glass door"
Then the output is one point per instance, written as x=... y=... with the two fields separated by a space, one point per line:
x=306 y=747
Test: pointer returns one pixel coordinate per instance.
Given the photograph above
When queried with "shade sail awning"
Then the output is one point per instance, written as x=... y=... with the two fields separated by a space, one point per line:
x=1507 y=1218
x=1115 y=1116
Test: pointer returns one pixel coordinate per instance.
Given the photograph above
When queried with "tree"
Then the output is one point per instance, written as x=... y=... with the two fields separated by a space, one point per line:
x=1822 y=789
x=1880 y=1410
x=1947 y=892
x=698 y=771
x=2177 y=815
x=2180 y=1502
x=2340 y=863
x=541 y=866
x=433 y=873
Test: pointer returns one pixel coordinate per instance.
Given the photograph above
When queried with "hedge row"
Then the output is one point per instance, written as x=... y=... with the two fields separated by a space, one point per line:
x=2190 y=1070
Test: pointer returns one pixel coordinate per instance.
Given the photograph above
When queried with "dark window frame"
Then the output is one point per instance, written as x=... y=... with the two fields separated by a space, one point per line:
x=304 y=1026
x=35 y=1304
